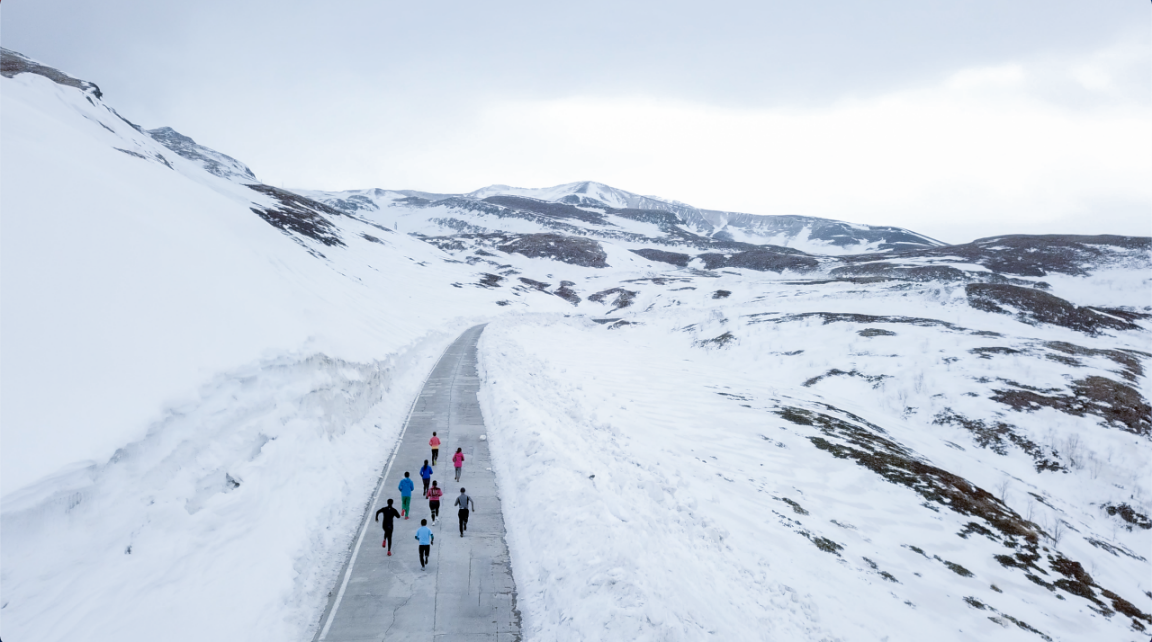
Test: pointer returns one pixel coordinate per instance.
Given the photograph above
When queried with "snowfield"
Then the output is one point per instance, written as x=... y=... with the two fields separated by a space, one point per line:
x=656 y=488
x=696 y=433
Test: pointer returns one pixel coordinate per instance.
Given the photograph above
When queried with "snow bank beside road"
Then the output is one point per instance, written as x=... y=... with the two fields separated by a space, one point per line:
x=623 y=521
x=228 y=521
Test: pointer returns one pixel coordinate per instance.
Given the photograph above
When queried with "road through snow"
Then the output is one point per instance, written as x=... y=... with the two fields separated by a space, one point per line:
x=467 y=591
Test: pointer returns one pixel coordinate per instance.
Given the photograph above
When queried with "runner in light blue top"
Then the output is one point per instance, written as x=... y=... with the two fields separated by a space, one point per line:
x=406 y=487
x=425 y=537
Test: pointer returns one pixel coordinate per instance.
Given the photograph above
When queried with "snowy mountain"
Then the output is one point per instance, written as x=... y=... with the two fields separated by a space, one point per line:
x=614 y=209
x=702 y=423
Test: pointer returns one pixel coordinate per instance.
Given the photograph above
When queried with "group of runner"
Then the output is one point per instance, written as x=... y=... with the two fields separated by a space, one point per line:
x=433 y=493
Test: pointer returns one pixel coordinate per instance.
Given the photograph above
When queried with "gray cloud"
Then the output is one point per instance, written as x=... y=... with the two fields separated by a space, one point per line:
x=358 y=93
x=728 y=52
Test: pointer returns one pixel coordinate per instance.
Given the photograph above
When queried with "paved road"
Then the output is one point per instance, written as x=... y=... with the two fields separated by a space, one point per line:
x=466 y=594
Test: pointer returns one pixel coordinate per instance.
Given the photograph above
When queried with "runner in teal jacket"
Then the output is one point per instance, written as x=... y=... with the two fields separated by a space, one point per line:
x=406 y=488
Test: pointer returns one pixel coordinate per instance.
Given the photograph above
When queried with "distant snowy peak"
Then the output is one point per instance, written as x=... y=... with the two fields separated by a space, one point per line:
x=213 y=161
x=589 y=193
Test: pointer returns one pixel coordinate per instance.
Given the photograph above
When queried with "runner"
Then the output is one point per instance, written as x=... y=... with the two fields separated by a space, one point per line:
x=458 y=462
x=434 y=495
x=463 y=501
x=434 y=442
x=406 y=487
x=425 y=537
x=426 y=475
x=389 y=514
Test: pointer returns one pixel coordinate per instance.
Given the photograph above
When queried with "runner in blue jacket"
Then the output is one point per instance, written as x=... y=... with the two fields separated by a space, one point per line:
x=406 y=488
x=425 y=537
x=426 y=475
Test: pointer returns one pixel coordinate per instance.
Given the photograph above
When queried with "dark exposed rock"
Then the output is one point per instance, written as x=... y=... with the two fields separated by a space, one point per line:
x=298 y=214
x=875 y=380
x=569 y=249
x=490 y=280
x=1033 y=306
x=957 y=569
x=986 y=353
x=721 y=294
x=1129 y=514
x=213 y=161
x=1126 y=358
x=1115 y=402
x=718 y=341
x=624 y=298
x=764 y=259
x=566 y=292
x=13 y=63
x=847 y=317
x=673 y=258
x=795 y=506
x=539 y=285
x=1127 y=315
x=876 y=332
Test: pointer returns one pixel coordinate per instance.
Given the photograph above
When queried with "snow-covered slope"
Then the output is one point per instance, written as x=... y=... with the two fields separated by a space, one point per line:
x=199 y=382
x=202 y=374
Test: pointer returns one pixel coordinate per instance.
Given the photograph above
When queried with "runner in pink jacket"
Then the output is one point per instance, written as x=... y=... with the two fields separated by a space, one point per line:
x=458 y=462
x=434 y=442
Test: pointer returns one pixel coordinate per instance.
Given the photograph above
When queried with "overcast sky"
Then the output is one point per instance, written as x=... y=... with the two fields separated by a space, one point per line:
x=955 y=119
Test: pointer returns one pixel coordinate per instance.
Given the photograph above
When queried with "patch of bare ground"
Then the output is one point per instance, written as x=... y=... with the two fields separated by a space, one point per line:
x=1032 y=307
x=1118 y=404
x=997 y=437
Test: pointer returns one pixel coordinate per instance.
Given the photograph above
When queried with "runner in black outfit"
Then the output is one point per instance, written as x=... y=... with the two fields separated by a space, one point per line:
x=389 y=515
x=464 y=501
